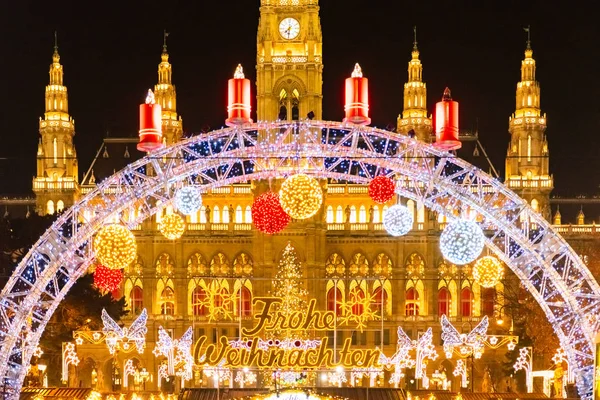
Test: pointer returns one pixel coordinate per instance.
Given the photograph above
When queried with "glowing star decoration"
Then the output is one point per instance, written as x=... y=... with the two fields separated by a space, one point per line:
x=115 y=246
x=188 y=200
x=488 y=271
x=461 y=370
x=424 y=350
x=382 y=189
x=106 y=279
x=465 y=344
x=218 y=302
x=401 y=359
x=172 y=226
x=462 y=241
x=267 y=214
x=301 y=196
x=123 y=338
x=69 y=357
x=178 y=352
x=525 y=363
x=128 y=370
x=559 y=357
x=357 y=309
x=398 y=220
x=37 y=352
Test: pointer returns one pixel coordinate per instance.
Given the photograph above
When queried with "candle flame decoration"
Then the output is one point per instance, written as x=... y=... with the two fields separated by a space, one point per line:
x=150 y=97
x=239 y=72
x=357 y=73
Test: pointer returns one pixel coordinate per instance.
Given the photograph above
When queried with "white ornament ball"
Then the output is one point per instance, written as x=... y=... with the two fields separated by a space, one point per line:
x=188 y=200
x=398 y=220
x=462 y=241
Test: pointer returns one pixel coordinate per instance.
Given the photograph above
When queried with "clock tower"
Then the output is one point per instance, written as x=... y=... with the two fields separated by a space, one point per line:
x=289 y=60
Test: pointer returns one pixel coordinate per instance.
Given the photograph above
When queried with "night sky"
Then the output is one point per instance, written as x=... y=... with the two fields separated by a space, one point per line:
x=110 y=51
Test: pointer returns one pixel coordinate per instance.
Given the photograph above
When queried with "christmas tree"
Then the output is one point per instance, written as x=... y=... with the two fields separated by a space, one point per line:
x=287 y=284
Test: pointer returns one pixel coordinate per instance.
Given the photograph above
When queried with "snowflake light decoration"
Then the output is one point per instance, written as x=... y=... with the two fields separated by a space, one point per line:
x=356 y=309
x=462 y=241
x=337 y=378
x=178 y=352
x=122 y=338
x=218 y=302
x=466 y=344
x=398 y=220
x=188 y=200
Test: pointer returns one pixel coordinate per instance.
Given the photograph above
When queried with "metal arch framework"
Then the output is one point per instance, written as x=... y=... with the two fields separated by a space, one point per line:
x=544 y=262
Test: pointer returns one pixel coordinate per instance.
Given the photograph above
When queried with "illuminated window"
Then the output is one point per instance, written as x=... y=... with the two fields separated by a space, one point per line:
x=220 y=297
x=334 y=300
x=50 y=207
x=239 y=215
x=60 y=206
x=528 y=147
x=339 y=215
x=380 y=298
x=216 y=215
x=444 y=299
x=352 y=214
x=136 y=299
x=362 y=215
x=198 y=301
x=248 y=218
x=466 y=302
x=203 y=215
x=488 y=296
x=225 y=215
x=167 y=298
x=412 y=302
x=376 y=215
x=356 y=297
x=329 y=218
x=55 y=145
x=246 y=302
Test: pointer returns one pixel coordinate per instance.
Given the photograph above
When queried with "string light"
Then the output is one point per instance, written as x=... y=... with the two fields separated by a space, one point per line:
x=462 y=241
x=488 y=271
x=267 y=214
x=188 y=200
x=107 y=279
x=115 y=246
x=121 y=338
x=301 y=196
x=172 y=226
x=398 y=220
x=382 y=189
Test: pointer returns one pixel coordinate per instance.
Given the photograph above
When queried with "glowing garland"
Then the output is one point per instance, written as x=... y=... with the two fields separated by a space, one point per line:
x=120 y=338
x=488 y=271
x=107 y=279
x=267 y=214
x=358 y=300
x=398 y=220
x=188 y=200
x=172 y=226
x=301 y=196
x=382 y=189
x=115 y=246
x=462 y=241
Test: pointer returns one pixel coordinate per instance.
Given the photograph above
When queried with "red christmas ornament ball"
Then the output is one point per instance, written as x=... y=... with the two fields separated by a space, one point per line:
x=382 y=189
x=107 y=279
x=268 y=215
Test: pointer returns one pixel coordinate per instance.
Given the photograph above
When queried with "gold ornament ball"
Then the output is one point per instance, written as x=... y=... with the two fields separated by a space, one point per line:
x=488 y=271
x=172 y=226
x=115 y=246
x=301 y=196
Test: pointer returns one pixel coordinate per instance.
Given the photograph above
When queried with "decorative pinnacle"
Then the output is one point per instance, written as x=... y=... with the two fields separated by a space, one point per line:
x=357 y=73
x=239 y=72
x=447 y=96
x=150 y=97
x=415 y=48
x=165 y=35
x=55 y=42
x=528 y=30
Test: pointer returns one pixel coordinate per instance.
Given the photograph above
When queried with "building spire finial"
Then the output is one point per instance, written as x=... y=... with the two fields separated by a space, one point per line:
x=528 y=30
x=415 y=48
x=55 y=42
x=165 y=35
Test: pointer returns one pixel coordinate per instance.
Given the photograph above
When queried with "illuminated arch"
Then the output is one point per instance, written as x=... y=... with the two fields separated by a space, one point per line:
x=546 y=265
x=415 y=266
x=165 y=297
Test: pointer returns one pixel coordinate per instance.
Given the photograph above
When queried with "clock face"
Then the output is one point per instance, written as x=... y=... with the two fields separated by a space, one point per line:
x=289 y=28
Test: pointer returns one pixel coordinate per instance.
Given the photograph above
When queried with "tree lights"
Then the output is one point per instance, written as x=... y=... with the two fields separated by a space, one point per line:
x=172 y=226
x=188 y=200
x=398 y=220
x=301 y=196
x=382 y=189
x=107 y=279
x=462 y=241
x=488 y=271
x=267 y=214
x=115 y=246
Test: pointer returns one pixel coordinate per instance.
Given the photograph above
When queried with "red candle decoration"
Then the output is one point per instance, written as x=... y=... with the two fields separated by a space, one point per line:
x=106 y=279
x=268 y=215
x=150 y=125
x=382 y=189
x=357 y=98
x=446 y=123
x=238 y=99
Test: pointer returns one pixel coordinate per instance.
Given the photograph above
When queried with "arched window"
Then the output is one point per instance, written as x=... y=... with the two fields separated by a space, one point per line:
x=216 y=215
x=136 y=299
x=466 y=302
x=352 y=214
x=198 y=301
x=248 y=218
x=330 y=217
x=50 y=207
x=221 y=299
x=339 y=215
x=380 y=298
x=420 y=213
x=535 y=205
x=334 y=300
x=362 y=215
x=245 y=298
x=60 y=206
x=376 y=215
x=167 y=299
x=488 y=296
x=239 y=215
x=356 y=297
x=55 y=145
x=203 y=215
x=412 y=302
x=226 y=215
x=444 y=299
